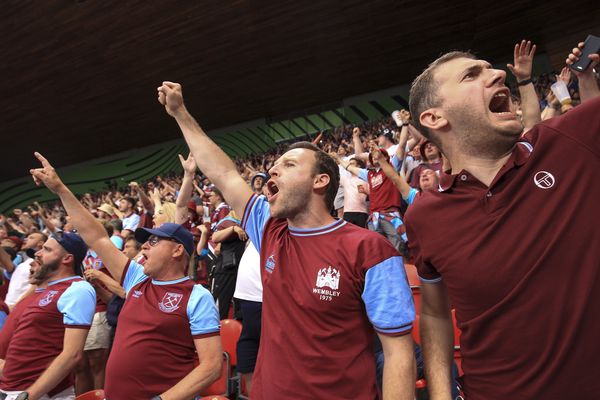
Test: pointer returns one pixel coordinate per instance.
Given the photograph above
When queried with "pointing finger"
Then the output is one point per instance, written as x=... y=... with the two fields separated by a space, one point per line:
x=42 y=159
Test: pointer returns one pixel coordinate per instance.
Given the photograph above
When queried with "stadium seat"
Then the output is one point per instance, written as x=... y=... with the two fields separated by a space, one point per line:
x=220 y=387
x=413 y=277
x=91 y=395
x=230 y=334
x=214 y=398
x=457 y=355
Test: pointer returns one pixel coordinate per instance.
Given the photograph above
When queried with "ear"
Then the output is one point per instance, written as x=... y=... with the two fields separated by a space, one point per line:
x=68 y=258
x=178 y=251
x=321 y=181
x=433 y=119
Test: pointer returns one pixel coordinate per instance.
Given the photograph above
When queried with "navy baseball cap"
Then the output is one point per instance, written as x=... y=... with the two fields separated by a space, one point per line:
x=168 y=230
x=73 y=244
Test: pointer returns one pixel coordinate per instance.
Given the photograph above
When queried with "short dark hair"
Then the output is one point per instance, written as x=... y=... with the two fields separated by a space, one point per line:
x=424 y=90
x=324 y=165
x=117 y=224
x=130 y=200
x=217 y=192
x=131 y=238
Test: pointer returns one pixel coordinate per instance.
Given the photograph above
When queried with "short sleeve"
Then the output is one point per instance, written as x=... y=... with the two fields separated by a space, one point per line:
x=78 y=305
x=396 y=162
x=427 y=272
x=132 y=222
x=133 y=274
x=388 y=298
x=202 y=313
x=412 y=194
x=256 y=214
x=117 y=241
x=363 y=174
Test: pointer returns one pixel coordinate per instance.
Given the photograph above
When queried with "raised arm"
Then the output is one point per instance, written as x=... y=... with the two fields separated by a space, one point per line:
x=391 y=173
x=87 y=226
x=211 y=160
x=185 y=192
x=5 y=261
x=146 y=202
x=523 y=59
x=588 y=85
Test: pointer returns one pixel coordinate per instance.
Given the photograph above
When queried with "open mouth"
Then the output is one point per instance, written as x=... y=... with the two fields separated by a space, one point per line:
x=500 y=103
x=272 y=190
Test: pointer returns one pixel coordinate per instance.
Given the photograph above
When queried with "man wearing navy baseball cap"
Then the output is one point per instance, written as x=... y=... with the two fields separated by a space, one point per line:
x=57 y=320
x=167 y=320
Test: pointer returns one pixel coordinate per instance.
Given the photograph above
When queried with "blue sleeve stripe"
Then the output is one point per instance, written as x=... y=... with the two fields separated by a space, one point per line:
x=397 y=330
x=248 y=209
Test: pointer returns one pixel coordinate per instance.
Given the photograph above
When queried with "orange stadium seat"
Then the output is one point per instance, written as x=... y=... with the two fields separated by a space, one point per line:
x=413 y=277
x=214 y=398
x=91 y=395
x=230 y=334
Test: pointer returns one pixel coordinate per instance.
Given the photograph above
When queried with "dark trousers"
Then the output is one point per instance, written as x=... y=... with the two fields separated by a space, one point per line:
x=357 y=218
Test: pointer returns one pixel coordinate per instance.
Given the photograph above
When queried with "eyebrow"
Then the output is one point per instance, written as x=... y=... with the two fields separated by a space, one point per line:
x=476 y=68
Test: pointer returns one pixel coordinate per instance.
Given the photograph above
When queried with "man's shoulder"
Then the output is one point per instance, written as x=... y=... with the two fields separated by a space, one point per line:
x=426 y=204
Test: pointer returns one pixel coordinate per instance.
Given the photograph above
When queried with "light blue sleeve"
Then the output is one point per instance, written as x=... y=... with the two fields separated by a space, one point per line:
x=396 y=162
x=256 y=214
x=78 y=304
x=117 y=241
x=363 y=174
x=388 y=298
x=7 y=274
x=135 y=274
x=411 y=196
x=202 y=312
x=132 y=222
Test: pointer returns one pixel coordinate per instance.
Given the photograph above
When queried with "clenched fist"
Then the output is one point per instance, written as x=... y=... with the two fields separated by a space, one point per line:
x=170 y=96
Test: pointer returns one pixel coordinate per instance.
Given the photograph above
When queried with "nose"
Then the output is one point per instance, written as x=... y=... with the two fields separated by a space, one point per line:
x=145 y=246
x=273 y=171
x=497 y=78
x=38 y=253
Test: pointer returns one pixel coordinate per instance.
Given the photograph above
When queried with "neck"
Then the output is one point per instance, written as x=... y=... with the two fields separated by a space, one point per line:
x=482 y=168
x=170 y=273
x=312 y=217
x=61 y=274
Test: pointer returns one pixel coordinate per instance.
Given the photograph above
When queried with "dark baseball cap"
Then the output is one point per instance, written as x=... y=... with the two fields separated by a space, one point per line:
x=168 y=230
x=388 y=133
x=73 y=244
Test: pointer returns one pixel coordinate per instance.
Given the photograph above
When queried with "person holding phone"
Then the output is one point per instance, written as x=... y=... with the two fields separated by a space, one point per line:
x=513 y=224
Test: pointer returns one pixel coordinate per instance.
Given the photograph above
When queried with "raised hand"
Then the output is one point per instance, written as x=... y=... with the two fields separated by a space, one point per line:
x=189 y=164
x=523 y=60
x=46 y=175
x=574 y=57
x=565 y=75
x=171 y=96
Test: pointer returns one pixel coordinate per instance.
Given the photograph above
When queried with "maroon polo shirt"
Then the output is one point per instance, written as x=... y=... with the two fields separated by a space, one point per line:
x=521 y=263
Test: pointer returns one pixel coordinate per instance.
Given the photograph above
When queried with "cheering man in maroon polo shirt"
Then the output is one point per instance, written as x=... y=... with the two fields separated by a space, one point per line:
x=515 y=248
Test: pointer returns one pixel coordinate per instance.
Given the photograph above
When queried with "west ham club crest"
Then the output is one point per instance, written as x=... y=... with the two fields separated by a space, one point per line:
x=47 y=299
x=170 y=302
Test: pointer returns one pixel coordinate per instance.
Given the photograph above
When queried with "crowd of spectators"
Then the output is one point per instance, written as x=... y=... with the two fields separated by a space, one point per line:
x=384 y=167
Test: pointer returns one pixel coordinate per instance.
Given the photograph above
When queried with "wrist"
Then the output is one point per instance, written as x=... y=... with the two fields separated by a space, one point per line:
x=522 y=81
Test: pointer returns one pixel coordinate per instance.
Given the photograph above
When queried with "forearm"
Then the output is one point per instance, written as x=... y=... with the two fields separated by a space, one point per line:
x=5 y=261
x=103 y=294
x=549 y=112
x=112 y=286
x=146 y=202
x=398 y=181
x=185 y=194
x=358 y=146
x=200 y=377
x=399 y=375
x=437 y=344
x=87 y=226
x=530 y=106
x=224 y=235
x=213 y=161
x=588 y=87
x=56 y=372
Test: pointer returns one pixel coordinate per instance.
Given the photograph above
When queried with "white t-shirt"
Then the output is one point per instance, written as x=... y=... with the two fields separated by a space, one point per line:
x=131 y=222
x=248 y=285
x=19 y=283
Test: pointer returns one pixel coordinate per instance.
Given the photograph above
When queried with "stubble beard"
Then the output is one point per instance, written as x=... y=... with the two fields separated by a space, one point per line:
x=45 y=270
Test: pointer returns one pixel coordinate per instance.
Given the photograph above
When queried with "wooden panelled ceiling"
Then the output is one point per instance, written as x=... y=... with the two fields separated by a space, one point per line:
x=80 y=77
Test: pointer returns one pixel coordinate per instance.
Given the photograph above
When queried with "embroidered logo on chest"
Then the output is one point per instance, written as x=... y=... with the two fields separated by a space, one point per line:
x=376 y=180
x=47 y=299
x=327 y=277
x=270 y=264
x=544 y=180
x=170 y=302
x=136 y=294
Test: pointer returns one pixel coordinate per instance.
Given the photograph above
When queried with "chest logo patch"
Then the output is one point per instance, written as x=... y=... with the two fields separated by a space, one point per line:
x=327 y=277
x=47 y=299
x=270 y=264
x=170 y=302
x=544 y=180
x=376 y=180
x=136 y=294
